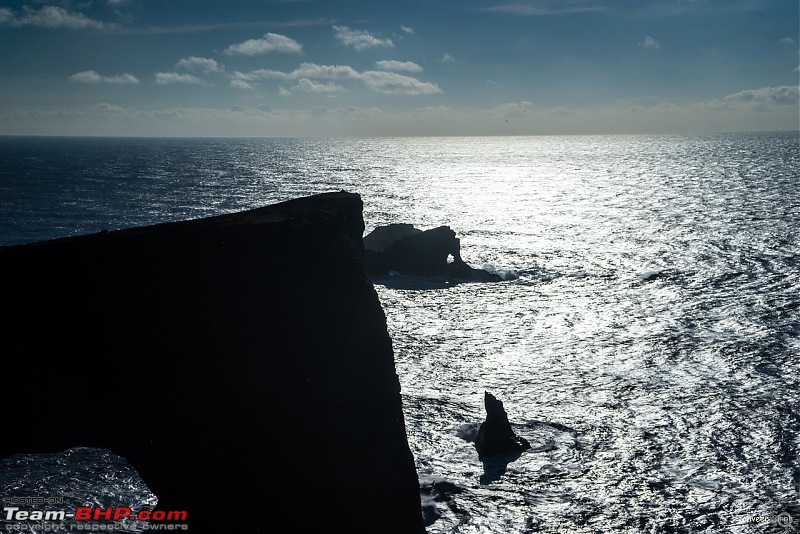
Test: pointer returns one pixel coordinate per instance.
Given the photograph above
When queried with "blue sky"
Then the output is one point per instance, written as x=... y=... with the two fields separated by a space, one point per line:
x=439 y=67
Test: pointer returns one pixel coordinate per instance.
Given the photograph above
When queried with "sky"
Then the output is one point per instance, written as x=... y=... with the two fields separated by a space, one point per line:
x=376 y=68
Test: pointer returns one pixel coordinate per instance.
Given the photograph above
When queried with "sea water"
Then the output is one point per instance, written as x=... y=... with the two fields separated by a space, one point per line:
x=645 y=338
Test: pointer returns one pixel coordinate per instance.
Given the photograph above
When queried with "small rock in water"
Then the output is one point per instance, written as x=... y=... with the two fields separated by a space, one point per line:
x=495 y=436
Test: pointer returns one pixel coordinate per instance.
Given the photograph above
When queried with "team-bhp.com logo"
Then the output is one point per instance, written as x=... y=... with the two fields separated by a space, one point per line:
x=86 y=513
x=93 y=518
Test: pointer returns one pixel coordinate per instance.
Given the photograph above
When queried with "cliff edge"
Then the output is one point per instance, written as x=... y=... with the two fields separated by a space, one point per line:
x=240 y=363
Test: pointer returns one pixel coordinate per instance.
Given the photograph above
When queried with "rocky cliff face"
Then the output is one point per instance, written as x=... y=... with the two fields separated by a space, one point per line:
x=240 y=363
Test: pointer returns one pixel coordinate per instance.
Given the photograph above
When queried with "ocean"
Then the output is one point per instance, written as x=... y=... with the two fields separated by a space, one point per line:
x=645 y=338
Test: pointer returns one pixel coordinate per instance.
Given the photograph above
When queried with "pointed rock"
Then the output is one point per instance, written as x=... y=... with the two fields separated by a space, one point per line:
x=495 y=436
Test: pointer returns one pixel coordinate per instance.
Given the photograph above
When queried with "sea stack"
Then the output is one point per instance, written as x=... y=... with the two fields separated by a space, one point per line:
x=410 y=251
x=240 y=363
x=495 y=436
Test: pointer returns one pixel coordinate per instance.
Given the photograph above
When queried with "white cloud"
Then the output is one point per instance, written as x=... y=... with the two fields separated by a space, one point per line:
x=782 y=95
x=360 y=39
x=305 y=70
x=87 y=76
x=736 y=114
x=447 y=58
x=272 y=42
x=163 y=78
x=241 y=84
x=543 y=8
x=683 y=7
x=117 y=3
x=6 y=16
x=649 y=42
x=381 y=81
x=56 y=17
x=122 y=79
x=90 y=76
x=332 y=72
x=786 y=41
x=261 y=74
x=110 y=108
x=408 y=66
x=406 y=29
x=284 y=92
x=49 y=17
x=397 y=84
x=199 y=64
x=304 y=84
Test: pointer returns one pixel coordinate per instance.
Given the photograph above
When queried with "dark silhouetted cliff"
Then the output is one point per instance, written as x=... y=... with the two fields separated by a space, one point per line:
x=240 y=363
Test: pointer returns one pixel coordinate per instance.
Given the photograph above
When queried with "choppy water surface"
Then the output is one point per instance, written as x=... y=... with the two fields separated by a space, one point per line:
x=645 y=342
x=63 y=481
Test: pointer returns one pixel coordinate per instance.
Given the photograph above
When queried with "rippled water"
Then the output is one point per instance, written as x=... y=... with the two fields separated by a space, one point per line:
x=64 y=481
x=645 y=342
